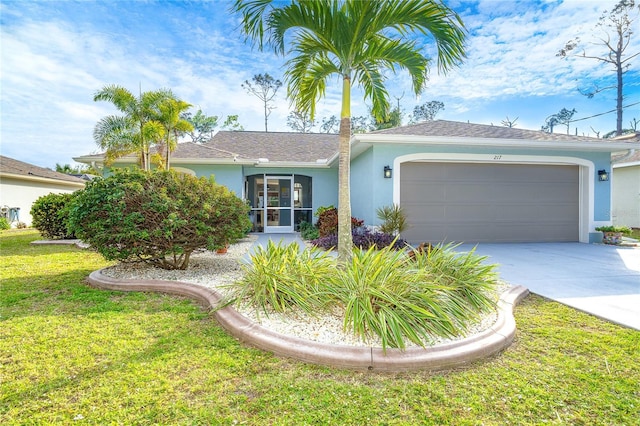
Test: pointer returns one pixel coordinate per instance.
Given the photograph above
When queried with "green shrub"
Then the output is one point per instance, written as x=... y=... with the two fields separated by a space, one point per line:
x=308 y=231
x=4 y=224
x=157 y=217
x=281 y=276
x=50 y=215
x=328 y=222
x=610 y=228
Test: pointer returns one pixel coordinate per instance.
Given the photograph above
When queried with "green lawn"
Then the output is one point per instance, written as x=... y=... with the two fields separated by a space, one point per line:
x=73 y=354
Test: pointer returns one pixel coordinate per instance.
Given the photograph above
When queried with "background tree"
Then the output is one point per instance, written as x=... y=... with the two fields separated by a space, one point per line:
x=330 y=125
x=77 y=170
x=300 y=122
x=134 y=130
x=564 y=116
x=203 y=126
x=359 y=124
x=362 y=124
x=264 y=87
x=394 y=119
x=509 y=123
x=68 y=169
x=633 y=128
x=357 y=41
x=617 y=26
x=232 y=123
x=426 y=111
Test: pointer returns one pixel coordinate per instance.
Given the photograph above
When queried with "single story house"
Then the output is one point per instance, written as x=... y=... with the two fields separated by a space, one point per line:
x=22 y=183
x=456 y=181
x=625 y=185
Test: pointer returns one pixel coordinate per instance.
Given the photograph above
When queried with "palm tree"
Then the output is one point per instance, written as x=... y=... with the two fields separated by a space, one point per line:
x=133 y=131
x=355 y=40
x=169 y=116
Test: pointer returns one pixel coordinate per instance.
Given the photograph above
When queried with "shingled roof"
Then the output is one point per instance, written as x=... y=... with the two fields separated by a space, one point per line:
x=252 y=146
x=277 y=146
x=446 y=128
x=289 y=148
x=19 y=168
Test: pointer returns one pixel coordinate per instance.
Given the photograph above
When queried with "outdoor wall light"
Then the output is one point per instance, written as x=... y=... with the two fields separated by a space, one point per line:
x=387 y=172
x=603 y=176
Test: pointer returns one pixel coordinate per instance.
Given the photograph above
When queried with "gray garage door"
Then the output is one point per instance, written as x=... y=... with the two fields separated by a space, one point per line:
x=489 y=202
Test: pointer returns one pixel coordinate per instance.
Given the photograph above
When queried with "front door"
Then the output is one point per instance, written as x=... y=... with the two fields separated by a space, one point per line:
x=278 y=205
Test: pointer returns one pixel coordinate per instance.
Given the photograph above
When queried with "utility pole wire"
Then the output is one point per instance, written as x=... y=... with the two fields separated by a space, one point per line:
x=602 y=113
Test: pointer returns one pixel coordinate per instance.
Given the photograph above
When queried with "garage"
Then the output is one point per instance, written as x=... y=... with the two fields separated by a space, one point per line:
x=481 y=202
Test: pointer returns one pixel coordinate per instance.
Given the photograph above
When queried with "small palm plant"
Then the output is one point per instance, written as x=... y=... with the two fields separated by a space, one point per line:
x=394 y=220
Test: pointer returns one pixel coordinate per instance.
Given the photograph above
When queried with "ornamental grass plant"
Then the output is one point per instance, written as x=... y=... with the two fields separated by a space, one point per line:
x=280 y=277
x=384 y=293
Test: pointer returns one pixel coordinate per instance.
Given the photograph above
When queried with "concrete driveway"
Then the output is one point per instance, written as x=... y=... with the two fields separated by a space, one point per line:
x=599 y=279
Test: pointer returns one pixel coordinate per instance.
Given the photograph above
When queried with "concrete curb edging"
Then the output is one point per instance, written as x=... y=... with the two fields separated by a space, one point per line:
x=493 y=340
x=78 y=243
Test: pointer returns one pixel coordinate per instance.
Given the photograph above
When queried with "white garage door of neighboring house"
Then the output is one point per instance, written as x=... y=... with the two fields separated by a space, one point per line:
x=473 y=202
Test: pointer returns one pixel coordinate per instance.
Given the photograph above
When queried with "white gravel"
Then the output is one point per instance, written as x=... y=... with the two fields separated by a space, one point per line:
x=213 y=270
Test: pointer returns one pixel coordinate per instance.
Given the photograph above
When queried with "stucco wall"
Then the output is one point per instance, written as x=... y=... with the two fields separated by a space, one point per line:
x=625 y=184
x=23 y=193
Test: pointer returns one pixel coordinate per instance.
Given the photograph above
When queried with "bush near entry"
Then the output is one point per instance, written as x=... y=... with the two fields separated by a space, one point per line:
x=328 y=221
x=159 y=217
x=50 y=215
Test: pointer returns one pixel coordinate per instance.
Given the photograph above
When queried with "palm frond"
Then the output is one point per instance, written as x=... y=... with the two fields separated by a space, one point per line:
x=254 y=13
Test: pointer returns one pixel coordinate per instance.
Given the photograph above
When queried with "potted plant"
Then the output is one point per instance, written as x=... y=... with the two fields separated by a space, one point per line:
x=613 y=234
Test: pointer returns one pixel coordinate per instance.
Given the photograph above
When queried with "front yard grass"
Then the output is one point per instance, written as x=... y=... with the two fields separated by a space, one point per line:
x=73 y=354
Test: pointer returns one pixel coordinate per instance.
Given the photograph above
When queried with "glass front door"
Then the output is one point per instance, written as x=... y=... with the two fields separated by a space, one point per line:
x=279 y=203
x=277 y=199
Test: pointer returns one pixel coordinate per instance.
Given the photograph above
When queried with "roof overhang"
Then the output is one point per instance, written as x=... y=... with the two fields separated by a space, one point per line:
x=362 y=142
x=256 y=162
x=40 y=179
x=319 y=164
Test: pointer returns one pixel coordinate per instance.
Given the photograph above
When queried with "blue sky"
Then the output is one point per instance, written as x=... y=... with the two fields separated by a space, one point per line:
x=56 y=54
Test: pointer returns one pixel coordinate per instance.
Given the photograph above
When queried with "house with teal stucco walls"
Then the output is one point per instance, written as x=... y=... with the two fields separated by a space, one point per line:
x=455 y=181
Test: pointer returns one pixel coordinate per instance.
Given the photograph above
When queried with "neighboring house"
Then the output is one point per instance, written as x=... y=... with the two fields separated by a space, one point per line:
x=625 y=185
x=21 y=184
x=456 y=181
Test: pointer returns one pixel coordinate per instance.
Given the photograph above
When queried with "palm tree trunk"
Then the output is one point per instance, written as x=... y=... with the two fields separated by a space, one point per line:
x=345 y=240
x=167 y=165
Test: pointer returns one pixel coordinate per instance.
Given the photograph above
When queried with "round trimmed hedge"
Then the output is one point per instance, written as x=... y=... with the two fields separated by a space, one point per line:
x=49 y=216
x=159 y=217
